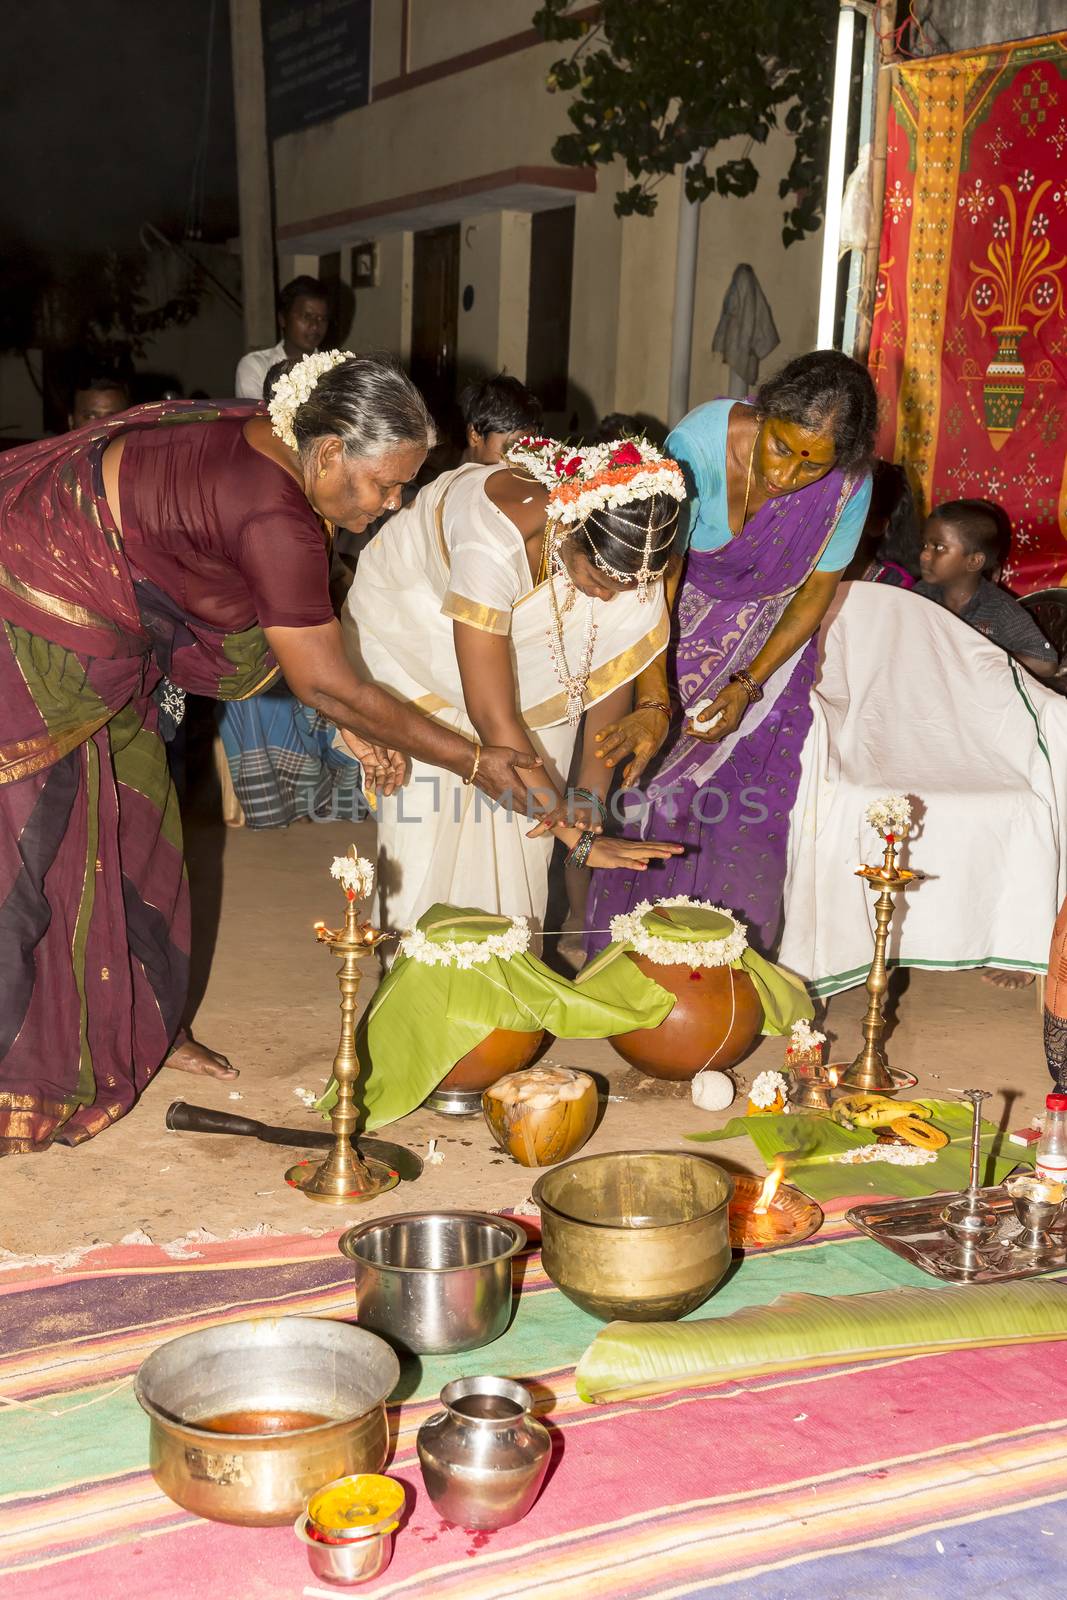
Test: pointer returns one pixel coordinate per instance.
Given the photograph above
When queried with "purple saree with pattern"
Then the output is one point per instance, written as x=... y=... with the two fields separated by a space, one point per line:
x=729 y=803
x=94 y=908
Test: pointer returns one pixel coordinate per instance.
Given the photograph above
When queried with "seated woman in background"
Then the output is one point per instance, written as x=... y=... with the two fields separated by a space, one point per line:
x=497 y=412
x=512 y=601
x=896 y=555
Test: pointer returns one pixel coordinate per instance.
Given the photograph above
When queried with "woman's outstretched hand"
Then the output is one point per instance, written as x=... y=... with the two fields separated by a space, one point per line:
x=632 y=854
x=722 y=717
x=640 y=734
x=384 y=770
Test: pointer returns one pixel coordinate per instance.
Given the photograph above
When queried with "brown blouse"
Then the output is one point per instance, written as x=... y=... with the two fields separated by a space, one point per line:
x=222 y=529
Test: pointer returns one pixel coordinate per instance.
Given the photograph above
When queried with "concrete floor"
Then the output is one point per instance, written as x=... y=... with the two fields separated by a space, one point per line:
x=270 y=1004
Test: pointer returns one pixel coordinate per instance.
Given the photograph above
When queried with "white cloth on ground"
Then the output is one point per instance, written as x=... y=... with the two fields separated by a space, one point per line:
x=910 y=700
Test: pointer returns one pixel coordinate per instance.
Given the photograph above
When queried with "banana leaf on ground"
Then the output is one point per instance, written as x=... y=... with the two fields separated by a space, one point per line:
x=798 y=1331
x=808 y=1142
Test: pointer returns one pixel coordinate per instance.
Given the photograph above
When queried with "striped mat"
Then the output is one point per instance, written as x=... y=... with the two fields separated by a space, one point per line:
x=931 y=1476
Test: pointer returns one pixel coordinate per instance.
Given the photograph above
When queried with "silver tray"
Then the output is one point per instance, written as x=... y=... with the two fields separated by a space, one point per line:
x=913 y=1229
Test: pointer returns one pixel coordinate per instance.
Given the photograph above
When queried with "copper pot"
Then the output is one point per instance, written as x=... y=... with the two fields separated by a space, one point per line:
x=714 y=1020
x=504 y=1050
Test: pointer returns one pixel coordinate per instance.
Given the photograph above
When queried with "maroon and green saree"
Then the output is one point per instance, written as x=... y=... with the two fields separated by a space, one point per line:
x=94 y=906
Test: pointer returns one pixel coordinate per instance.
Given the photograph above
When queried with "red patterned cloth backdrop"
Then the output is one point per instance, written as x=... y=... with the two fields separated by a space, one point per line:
x=969 y=347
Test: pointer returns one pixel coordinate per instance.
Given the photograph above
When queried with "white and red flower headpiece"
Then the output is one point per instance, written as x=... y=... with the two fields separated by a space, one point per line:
x=589 y=478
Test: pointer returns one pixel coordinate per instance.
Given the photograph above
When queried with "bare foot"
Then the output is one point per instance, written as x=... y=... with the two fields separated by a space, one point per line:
x=1007 y=980
x=198 y=1059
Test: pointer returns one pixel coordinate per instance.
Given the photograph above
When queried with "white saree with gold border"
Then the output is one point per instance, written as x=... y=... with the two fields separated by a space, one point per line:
x=453 y=556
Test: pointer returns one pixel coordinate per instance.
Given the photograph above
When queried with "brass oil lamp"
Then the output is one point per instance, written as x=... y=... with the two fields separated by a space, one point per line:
x=345 y=1177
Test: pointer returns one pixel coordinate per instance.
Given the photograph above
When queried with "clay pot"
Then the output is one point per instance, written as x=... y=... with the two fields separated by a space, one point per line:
x=504 y=1050
x=714 y=1020
x=551 y=1123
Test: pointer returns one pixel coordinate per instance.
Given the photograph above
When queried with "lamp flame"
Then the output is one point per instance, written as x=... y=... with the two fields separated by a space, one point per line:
x=770 y=1189
x=834 y=1077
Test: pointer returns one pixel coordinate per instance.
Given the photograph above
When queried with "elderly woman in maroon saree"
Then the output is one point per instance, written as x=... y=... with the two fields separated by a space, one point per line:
x=781 y=488
x=181 y=543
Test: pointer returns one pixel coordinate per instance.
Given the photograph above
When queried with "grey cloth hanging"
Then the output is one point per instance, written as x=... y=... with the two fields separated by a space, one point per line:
x=746 y=334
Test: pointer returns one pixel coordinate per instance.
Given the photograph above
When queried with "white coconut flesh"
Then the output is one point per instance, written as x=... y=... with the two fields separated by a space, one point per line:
x=538 y=1088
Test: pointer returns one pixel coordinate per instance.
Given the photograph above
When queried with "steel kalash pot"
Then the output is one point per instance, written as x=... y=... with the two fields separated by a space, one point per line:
x=717 y=1012
x=485 y=1455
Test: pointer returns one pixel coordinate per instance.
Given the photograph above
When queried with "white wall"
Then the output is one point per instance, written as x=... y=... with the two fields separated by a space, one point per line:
x=494 y=261
x=733 y=231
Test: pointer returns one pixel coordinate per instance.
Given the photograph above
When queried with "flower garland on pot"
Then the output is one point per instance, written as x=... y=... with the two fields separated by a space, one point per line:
x=630 y=928
x=466 y=953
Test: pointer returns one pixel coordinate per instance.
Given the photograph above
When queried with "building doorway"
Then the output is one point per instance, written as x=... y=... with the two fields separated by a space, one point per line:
x=434 y=317
x=551 y=270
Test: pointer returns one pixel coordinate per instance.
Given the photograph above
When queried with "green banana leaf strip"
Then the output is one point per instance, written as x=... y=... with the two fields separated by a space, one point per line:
x=807 y=1143
x=423 y=1019
x=627 y=1360
x=782 y=996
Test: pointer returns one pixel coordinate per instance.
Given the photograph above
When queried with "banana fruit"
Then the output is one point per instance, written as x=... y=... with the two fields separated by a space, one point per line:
x=874 y=1110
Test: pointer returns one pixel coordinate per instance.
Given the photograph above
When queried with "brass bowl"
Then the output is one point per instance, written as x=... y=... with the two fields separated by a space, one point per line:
x=310 y=1391
x=639 y=1235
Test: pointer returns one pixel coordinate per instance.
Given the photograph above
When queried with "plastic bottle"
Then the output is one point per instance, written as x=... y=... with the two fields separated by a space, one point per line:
x=1052 y=1146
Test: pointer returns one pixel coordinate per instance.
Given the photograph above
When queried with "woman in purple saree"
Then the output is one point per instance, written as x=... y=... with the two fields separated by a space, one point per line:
x=779 y=492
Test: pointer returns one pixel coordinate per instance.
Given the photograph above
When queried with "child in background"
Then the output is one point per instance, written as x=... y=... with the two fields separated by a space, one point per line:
x=497 y=412
x=962 y=541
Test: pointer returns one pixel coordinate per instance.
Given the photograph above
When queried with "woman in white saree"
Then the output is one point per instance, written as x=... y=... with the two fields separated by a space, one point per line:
x=515 y=599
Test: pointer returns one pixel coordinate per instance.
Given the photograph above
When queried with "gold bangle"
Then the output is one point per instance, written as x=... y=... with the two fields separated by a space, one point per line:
x=654 y=705
x=477 y=763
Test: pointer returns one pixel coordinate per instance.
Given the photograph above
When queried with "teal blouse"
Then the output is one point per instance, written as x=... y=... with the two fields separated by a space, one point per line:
x=698 y=444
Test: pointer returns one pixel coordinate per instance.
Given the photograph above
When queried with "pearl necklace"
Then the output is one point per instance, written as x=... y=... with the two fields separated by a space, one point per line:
x=573 y=684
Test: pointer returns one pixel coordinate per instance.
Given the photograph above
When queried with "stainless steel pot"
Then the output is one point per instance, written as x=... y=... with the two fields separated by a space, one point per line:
x=283 y=1365
x=434 y=1281
x=642 y=1235
x=353 y=1560
x=484 y=1457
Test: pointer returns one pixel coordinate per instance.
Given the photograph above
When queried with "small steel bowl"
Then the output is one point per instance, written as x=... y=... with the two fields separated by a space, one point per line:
x=434 y=1281
x=349 y=1562
x=638 y=1235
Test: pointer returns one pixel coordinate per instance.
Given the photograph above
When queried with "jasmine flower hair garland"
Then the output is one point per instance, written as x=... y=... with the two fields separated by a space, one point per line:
x=296 y=386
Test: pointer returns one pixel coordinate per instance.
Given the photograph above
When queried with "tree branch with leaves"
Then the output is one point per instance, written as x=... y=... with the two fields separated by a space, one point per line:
x=658 y=82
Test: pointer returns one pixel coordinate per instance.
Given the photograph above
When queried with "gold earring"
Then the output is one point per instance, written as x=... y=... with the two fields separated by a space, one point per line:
x=322 y=472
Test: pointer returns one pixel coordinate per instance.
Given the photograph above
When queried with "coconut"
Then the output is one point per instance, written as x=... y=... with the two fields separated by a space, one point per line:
x=541 y=1115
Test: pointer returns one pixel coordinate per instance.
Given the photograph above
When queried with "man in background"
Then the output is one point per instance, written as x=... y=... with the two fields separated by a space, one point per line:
x=303 y=317
x=97 y=395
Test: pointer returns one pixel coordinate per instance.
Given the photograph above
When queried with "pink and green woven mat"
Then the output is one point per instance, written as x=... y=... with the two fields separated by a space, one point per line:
x=946 y=1474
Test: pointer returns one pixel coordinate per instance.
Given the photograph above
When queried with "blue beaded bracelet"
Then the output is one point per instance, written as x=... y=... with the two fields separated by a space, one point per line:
x=580 y=854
